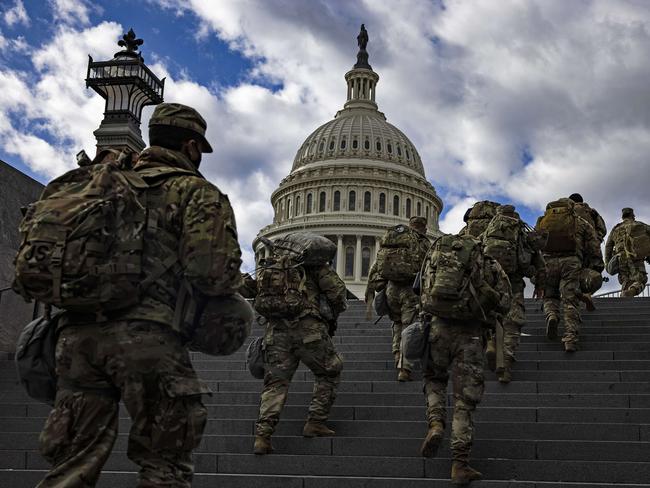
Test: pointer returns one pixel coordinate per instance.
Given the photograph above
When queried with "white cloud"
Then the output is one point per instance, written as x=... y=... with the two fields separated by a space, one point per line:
x=71 y=11
x=563 y=82
x=16 y=14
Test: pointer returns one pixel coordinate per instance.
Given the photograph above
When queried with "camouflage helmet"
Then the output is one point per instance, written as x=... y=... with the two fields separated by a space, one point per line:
x=183 y=116
x=224 y=324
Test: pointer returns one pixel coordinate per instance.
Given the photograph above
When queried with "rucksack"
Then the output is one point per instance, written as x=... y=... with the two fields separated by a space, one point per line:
x=81 y=247
x=560 y=223
x=501 y=241
x=400 y=254
x=453 y=284
x=636 y=241
x=312 y=249
x=35 y=358
x=281 y=287
x=480 y=216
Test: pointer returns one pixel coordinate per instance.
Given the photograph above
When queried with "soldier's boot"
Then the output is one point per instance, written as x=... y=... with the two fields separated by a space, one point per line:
x=433 y=439
x=491 y=354
x=262 y=445
x=463 y=474
x=316 y=429
x=570 y=347
x=505 y=376
x=551 y=327
x=588 y=301
x=404 y=375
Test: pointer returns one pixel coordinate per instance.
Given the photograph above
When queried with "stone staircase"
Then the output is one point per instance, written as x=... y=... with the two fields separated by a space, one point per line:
x=577 y=421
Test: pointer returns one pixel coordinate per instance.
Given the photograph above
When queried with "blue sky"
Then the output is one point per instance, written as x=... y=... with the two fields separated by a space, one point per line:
x=547 y=98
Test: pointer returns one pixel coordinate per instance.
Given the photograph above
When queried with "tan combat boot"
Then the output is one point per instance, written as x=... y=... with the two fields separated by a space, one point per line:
x=491 y=354
x=570 y=347
x=316 y=429
x=505 y=376
x=551 y=327
x=404 y=375
x=432 y=441
x=463 y=474
x=262 y=445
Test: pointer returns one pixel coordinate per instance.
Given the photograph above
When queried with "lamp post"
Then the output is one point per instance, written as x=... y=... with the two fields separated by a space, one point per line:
x=127 y=85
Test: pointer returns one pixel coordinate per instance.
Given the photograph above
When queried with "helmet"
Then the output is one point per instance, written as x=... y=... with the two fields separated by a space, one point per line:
x=590 y=281
x=224 y=324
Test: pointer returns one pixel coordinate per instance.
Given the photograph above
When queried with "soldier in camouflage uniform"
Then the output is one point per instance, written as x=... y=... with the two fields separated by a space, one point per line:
x=632 y=274
x=375 y=284
x=306 y=339
x=457 y=346
x=403 y=304
x=561 y=287
x=594 y=219
x=515 y=319
x=137 y=354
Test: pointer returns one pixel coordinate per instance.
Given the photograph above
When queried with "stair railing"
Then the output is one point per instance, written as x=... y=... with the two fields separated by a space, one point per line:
x=617 y=293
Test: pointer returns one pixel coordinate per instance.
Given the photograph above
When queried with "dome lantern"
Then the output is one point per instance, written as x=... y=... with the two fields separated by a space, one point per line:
x=361 y=80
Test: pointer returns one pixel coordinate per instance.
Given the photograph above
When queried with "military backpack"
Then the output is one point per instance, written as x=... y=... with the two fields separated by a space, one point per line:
x=501 y=241
x=400 y=254
x=636 y=240
x=559 y=222
x=480 y=216
x=281 y=287
x=81 y=242
x=453 y=283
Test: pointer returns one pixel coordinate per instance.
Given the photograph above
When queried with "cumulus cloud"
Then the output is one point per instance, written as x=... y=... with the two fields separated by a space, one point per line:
x=16 y=14
x=71 y=11
x=545 y=99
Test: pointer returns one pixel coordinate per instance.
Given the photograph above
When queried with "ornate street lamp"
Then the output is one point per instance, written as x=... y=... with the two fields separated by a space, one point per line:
x=127 y=85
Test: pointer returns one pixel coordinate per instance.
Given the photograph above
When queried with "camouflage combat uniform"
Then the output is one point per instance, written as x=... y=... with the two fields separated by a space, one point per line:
x=593 y=218
x=138 y=354
x=403 y=304
x=562 y=282
x=457 y=345
x=632 y=274
x=306 y=339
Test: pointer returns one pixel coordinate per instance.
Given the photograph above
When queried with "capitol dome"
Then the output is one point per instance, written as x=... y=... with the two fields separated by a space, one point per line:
x=351 y=179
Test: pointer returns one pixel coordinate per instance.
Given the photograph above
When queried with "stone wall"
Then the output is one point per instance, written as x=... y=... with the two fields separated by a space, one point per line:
x=17 y=190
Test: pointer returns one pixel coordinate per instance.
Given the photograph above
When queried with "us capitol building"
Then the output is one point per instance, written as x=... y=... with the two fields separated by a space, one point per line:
x=352 y=178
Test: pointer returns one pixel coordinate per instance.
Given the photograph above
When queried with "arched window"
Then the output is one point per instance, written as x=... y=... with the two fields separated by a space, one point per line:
x=366 y=145
x=390 y=148
x=337 y=201
x=395 y=205
x=419 y=209
x=355 y=143
x=408 y=155
x=309 y=203
x=332 y=145
x=349 y=261
x=365 y=262
x=399 y=150
x=289 y=208
x=321 y=202
x=352 y=201
x=382 y=203
x=367 y=198
x=408 y=208
x=321 y=147
x=343 y=143
x=298 y=209
x=378 y=145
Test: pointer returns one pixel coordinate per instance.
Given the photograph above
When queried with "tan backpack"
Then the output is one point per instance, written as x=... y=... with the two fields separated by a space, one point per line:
x=559 y=222
x=636 y=240
x=400 y=254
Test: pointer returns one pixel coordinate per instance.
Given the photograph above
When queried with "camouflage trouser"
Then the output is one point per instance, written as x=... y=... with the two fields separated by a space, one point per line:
x=403 y=304
x=459 y=348
x=632 y=276
x=146 y=365
x=512 y=324
x=563 y=287
x=306 y=341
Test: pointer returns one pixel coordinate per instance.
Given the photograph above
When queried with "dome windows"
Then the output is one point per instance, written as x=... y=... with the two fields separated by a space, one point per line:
x=399 y=150
x=332 y=145
x=321 y=146
x=382 y=203
x=366 y=144
x=389 y=147
x=408 y=208
x=396 y=205
x=419 y=209
x=355 y=143
x=349 y=261
x=310 y=199
x=337 y=201
x=408 y=155
x=367 y=198
x=298 y=209
x=378 y=145
x=352 y=201
x=365 y=262
x=321 y=202
x=343 y=143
